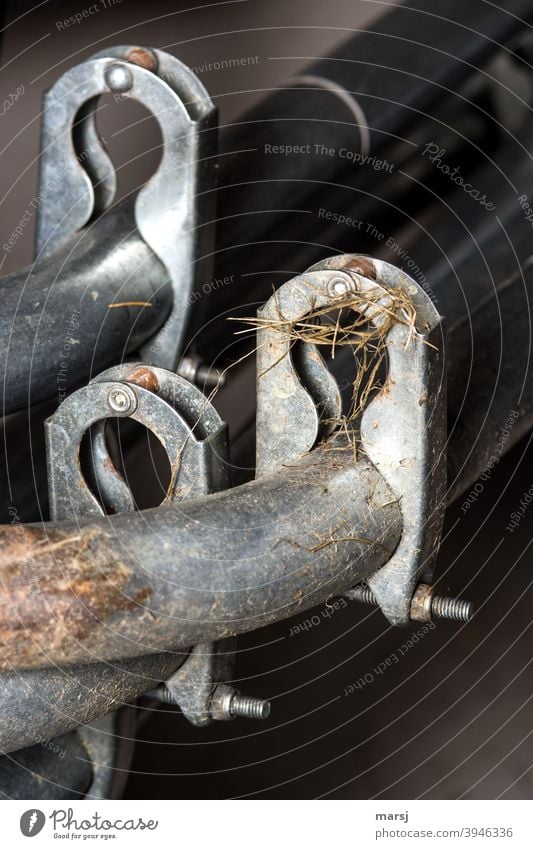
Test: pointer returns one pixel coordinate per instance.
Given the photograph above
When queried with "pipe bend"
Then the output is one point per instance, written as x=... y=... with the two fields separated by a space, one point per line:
x=164 y=579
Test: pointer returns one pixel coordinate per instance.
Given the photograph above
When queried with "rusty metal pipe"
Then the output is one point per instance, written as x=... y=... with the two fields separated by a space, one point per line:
x=134 y=584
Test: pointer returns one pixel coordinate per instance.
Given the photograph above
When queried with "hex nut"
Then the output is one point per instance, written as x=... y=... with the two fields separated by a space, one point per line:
x=421 y=603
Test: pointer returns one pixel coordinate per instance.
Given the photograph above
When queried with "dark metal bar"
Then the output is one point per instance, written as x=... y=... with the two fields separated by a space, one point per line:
x=38 y=704
x=139 y=583
x=58 y=324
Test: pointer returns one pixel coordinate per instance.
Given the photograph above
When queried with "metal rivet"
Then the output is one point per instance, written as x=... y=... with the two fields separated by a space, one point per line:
x=122 y=400
x=119 y=78
x=362 y=265
x=143 y=57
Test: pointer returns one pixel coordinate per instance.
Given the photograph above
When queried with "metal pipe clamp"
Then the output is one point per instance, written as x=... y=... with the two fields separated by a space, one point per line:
x=174 y=210
x=402 y=428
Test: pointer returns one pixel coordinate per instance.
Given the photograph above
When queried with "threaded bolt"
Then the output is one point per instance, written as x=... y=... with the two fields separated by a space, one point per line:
x=249 y=707
x=363 y=594
x=195 y=371
x=209 y=377
x=163 y=694
x=451 y=608
x=226 y=703
x=425 y=605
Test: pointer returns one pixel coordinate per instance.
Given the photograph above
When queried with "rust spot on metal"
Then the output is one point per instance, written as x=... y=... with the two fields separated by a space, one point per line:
x=145 y=378
x=142 y=57
x=142 y=596
x=109 y=465
x=58 y=588
x=362 y=266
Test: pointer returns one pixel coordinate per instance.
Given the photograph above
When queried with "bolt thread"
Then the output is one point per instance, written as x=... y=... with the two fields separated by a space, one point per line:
x=250 y=707
x=163 y=694
x=457 y=609
x=195 y=371
x=362 y=594
x=210 y=377
x=442 y=607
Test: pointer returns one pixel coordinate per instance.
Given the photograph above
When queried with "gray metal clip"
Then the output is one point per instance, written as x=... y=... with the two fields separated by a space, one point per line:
x=189 y=428
x=401 y=430
x=195 y=439
x=174 y=210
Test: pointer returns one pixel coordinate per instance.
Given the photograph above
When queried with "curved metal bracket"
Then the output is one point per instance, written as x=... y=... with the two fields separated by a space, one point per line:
x=190 y=430
x=402 y=430
x=173 y=212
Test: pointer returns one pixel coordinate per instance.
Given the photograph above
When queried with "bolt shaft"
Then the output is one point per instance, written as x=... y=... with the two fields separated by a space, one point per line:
x=209 y=377
x=194 y=370
x=442 y=607
x=163 y=694
x=249 y=707
x=457 y=609
x=363 y=594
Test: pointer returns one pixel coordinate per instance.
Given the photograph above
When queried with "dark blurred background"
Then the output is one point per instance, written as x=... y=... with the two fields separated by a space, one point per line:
x=452 y=718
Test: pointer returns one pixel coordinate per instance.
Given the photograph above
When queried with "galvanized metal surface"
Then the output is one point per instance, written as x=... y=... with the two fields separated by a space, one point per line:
x=402 y=429
x=173 y=211
x=128 y=606
x=403 y=432
x=192 y=433
x=187 y=425
x=207 y=665
x=153 y=396
x=118 y=86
